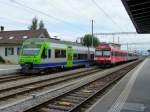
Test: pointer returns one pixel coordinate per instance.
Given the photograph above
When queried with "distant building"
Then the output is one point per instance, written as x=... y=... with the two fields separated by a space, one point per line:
x=11 y=41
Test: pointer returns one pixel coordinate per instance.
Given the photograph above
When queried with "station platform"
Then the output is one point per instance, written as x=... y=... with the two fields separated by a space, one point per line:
x=8 y=69
x=130 y=94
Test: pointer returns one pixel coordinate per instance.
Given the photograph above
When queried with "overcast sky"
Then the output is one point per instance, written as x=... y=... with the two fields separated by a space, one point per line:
x=69 y=19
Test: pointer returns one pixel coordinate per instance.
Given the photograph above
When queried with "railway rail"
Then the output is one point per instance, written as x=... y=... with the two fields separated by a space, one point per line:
x=13 y=93
x=13 y=78
x=79 y=99
x=19 y=76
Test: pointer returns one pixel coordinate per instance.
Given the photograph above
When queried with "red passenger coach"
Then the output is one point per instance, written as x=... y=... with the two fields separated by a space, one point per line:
x=107 y=54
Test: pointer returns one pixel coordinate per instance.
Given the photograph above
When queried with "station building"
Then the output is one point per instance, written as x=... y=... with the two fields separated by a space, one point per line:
x=11 y=41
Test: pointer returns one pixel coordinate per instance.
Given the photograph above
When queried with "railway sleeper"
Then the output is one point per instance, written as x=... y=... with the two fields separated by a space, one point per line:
x=84 y=93
x=74 y=98
x=79 y=95
x=45 y=109
x=58 y=107
x=63 y=103
x=95 y=88
x=69 y=100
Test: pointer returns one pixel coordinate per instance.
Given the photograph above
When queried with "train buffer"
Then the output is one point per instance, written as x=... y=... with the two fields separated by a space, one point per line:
x=130 y=94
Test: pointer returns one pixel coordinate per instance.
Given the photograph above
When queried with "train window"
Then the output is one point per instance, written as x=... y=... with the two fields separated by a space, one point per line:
x=98 y=53
x=79 y=56
x=117 y=54
x=92 y=56
x=113 y=53
x=82 y=56
x=57 y=53
x=31 y=49
x=125 y=54
x=49 y=53
x=106 y=53
x=86 y=56
x=130 y=54
x=75 y=56
x=63 y=53
x=60 y=53
x=103 y=53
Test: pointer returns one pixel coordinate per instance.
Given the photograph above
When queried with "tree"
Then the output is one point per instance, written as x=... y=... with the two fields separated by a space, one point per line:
x=41 y=25
x=87 y=40
x=34 y=25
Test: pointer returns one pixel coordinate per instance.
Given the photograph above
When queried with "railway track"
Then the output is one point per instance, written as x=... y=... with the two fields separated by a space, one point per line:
x=13 y=78
x=79 y=99
x=14 y=93
x=19 y=76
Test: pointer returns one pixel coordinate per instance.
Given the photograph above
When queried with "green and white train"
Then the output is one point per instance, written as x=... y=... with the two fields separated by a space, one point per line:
x=44 y=53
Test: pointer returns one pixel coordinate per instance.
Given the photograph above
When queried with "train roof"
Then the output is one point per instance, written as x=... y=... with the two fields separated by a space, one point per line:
x=57 y=41
x=108 y=46
x=63 y=44
x=53 y=40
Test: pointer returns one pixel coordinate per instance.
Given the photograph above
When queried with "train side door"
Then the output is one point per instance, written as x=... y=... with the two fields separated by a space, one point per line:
x=46 y=52
x=69 y=57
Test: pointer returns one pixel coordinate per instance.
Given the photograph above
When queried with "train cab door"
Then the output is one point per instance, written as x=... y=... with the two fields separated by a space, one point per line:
x=69 y=56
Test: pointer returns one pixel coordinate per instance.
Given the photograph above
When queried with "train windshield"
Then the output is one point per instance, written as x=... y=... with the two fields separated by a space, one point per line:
x=98 y=53
x=106 y=53
x=32 y=50
x=102 y=53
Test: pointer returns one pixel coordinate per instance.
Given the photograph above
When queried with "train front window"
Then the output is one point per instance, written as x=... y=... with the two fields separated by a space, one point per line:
x=32 y=50
x=102 y=53
x=98 y=53
x=106 y=53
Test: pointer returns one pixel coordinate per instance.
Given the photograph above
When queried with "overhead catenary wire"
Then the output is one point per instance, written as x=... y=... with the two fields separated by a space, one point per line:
x=43 y=13
x=107 y=15
x=22 y=3
x=38 y=11
x=76 y=10
x=10 y=18
x=69 y=6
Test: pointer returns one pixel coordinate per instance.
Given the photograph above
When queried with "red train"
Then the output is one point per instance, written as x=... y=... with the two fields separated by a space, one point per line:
x=109 y=54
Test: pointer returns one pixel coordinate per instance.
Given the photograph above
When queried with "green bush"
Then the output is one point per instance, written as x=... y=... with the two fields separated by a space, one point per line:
x=2 y=60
